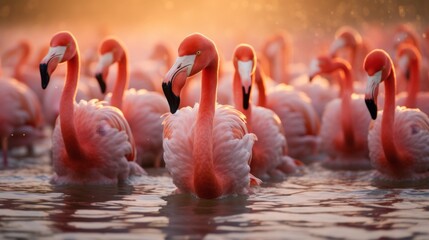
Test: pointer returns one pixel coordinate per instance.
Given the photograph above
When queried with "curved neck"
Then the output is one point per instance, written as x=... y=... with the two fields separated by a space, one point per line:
x=414 y=85
x=206 y=183
x=238 y=100
x=121 y=82
x=19 y=68
x=259 y=79
x=67 y=107
x=388 y=119
x=346 y=92
x=278 y=67
x=353 y=63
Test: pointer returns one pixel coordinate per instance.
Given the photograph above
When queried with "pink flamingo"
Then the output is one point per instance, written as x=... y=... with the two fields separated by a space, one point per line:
x=207 y=148
x=91 y=143
x=23 y=71
x=269 y=154
x=21 y=120
x=141 y=108
x=398 y=140
x=409 y=64
x=344 y=129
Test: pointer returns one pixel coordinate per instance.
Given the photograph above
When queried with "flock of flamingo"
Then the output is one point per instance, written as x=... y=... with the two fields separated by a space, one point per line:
x=222 y=131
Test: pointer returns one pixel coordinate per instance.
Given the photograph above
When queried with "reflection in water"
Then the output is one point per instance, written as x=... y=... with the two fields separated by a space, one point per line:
x=196 y=218
x=88 y=208
x=321 y=204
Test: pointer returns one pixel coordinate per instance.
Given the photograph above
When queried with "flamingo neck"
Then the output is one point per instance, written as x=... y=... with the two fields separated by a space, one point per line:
x=414 y=86
x=278 y=67
x=67 y=107
x=206 y=183
x=238 y=100
x=262 y=95
x=353 y=63
x=387 y=122
x=121 y=82
x=346 y=92
x=19 y=68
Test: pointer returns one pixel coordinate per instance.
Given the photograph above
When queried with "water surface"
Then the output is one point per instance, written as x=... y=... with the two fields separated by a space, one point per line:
x=321 y=204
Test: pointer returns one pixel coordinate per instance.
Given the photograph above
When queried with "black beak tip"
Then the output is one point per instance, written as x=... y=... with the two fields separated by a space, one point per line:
x=408 y=74
x=246 y=98
x=372 y=108
x=173 y=100
x=101 y=82
x=44 y=75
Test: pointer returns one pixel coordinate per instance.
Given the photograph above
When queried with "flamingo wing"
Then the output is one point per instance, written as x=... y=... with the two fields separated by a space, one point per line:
x=106 y=128
x=412 y=137
x=178 y=138
x=271 y=144
x=232 y=149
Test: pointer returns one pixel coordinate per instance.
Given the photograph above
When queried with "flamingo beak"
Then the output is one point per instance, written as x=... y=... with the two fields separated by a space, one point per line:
x=102 y=70
x=44 y=75
x=175 y=79
x=246 y=97
x=403 y=64
x=314 y=69
x=335 y=46
x=50 y=62
x=246 y=70
x=371 y=93
x=101 y=82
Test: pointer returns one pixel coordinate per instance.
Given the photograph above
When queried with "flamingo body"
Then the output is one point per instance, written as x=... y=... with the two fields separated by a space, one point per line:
x=207 y=148
x=343 y=155
x=411 y=138
x=109 y=152
x=399 y=139
x=231 y=148
x=299 y=119
x=143 y=110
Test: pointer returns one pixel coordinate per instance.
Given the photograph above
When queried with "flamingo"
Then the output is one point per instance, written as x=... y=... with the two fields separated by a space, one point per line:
x=345 y=123
x=21 y=120
x=23 y=71
x=207 y=148
x=409 y=64
x=141 y=108
x=91 y=143
x=269 y=154
x=398 y=140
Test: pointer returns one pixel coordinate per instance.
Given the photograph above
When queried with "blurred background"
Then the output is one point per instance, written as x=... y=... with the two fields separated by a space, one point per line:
x=140 y=23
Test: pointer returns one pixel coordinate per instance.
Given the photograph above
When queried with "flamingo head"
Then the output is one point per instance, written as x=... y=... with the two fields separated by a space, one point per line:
x=62 y=48
x=407 y=54
x=345 y=37
x=319 y=65
x=405 y=34
x=378 y=66
x=245 y=64
x=196 y=52
x=160 y=52
x=111 y=51
x=277 y=43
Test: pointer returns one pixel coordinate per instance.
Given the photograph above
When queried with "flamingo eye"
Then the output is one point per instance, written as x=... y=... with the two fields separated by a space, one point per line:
x=198 y=52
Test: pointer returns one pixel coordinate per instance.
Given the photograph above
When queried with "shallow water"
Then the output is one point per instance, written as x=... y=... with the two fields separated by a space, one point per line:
x=321 y=204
